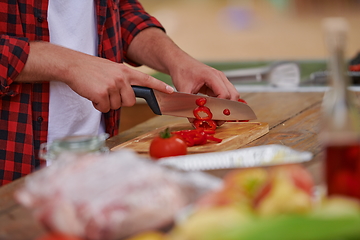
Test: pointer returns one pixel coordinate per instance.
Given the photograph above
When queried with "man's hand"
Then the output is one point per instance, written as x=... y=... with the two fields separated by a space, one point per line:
x=155 y=49
x=192 y=76
x=107 y=84
x=204 y=79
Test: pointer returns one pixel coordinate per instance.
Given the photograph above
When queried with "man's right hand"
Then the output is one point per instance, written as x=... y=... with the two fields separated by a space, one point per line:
x=106 y=83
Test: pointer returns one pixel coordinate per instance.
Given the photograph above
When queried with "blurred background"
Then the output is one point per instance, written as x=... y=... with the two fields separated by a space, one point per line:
x=228 y=34
x=236 y=30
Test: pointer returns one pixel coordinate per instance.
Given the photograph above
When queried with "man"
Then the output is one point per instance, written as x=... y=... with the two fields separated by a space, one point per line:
x=76 y=83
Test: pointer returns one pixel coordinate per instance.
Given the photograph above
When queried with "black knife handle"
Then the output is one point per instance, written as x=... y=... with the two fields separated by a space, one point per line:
x=147 y=94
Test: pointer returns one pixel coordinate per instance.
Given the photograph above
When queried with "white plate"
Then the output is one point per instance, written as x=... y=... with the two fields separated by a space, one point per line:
x=265 y=155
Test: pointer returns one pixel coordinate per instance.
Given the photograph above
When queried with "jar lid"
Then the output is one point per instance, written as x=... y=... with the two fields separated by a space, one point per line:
x=81 y=142
x=78 y=144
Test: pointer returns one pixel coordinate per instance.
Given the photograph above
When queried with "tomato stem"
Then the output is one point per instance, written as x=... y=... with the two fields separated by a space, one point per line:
x=166 y=133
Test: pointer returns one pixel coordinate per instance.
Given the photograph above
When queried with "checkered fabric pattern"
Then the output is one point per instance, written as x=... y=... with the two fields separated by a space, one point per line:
x=24 y=107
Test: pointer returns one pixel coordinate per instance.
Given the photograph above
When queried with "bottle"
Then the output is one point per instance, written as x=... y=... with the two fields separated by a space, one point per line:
x=340 y=134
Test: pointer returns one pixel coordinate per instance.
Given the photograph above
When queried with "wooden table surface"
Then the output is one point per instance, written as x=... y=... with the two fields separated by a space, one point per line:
x=293 y=118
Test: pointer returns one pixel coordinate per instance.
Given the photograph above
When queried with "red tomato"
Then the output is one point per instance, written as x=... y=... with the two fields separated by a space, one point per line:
x=166 y=145
x=58 y=236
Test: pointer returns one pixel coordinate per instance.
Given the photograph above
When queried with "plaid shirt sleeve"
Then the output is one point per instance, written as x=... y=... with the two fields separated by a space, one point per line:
x=24 y=107
x=133 y=20
x=14 y=52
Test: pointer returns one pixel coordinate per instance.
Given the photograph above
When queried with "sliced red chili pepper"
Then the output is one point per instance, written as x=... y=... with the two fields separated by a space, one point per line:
x=182 y=132
x=197 y=136
x=212 y=138
x=242 y=100
x=200 y=111
x=226 y=112
x=201 y=101
x=209 y=131
x=205 y=124
x=200 y=138
x=188 y=140
x=192 y=137
x=187 y=136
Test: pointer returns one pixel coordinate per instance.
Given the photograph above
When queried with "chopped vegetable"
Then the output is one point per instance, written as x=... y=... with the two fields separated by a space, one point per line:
x=205 y=124
x=200 y=101
x=243 y=101
x=226 y=112
x=197 y=137
x=202 y=113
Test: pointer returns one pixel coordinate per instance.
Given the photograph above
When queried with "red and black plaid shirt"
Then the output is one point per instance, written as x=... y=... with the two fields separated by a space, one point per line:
x=24 y=107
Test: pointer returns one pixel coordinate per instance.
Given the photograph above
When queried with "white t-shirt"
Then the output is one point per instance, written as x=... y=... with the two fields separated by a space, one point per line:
x=72 y=24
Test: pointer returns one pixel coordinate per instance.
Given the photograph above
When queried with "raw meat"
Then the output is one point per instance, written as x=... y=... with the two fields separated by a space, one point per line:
x=110 y=196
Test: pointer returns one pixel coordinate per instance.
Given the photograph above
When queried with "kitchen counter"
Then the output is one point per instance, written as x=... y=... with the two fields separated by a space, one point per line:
x=293 y=119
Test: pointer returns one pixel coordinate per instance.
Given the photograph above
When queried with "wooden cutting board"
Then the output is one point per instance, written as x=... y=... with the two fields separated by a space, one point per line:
x=233 y=134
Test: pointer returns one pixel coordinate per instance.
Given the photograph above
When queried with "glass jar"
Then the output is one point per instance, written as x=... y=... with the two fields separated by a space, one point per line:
x=74 y=144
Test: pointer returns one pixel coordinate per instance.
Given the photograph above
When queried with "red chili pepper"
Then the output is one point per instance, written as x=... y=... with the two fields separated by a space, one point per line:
x=186 y=136
x=188 y=140
x=212 y=138
x=200 y=138
x=200 y=111
x=243 y=101
x=192 y=137
x=205 y=124
x=200 y=101
x=182 y=132
x=197 y=136
x=209 y=131
x=226 y=112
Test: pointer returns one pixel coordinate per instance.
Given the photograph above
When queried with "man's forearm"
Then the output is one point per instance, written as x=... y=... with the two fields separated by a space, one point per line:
x=104 y=82
x=153 y=48
x=46 y=62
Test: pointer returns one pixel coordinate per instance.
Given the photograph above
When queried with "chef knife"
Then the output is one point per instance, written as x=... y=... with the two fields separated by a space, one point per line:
x=182 y=104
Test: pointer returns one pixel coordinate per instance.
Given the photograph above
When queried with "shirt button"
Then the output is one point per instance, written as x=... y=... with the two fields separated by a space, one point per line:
x=40 y=119
x=40 y=19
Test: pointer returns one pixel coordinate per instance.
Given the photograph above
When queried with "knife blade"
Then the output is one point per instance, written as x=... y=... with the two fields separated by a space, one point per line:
x=182 y=104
